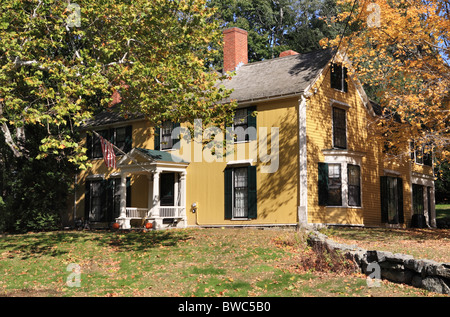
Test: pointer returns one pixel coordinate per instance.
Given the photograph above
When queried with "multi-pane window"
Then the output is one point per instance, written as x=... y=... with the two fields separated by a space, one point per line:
x=102 y=199
x=339 y=128
x=334 y=185
x=418 y=201
x=240 y=208
x=338 y=77
x=391 y=199
x=354 y=185
x=166 y=135
x=121 y=137
x=339 y=184
x=240 y=192
x=422 y=155
x=240 y=124
x=163 y=136
x=244 y=124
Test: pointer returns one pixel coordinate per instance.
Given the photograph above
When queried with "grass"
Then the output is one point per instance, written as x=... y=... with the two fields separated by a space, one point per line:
x=185 y=262
x=433 y=244
x=443 y=211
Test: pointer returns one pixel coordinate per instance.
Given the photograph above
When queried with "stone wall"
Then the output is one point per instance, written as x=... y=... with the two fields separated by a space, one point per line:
x=399 y=268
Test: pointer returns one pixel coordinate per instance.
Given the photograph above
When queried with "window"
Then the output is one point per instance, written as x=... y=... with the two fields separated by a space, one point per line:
x=163 y=136
x=339 y=128
x=339 y=185
x=240 y=193
x=354 y=185
x=330 y=189
x=102 y=199
x=423 y=155
x=418 y=201
x=244 y=124
x=338 y=77
x=166 y=135
x=121 y=137
x=391 y=199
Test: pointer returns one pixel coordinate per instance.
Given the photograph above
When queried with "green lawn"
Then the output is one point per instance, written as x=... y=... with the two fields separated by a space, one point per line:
x=443 y=211
x=185 y=262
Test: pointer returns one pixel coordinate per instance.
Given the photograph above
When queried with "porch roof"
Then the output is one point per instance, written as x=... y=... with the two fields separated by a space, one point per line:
x=161 y=156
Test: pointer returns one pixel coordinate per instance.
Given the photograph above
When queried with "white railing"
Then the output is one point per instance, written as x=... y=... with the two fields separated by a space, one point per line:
x=164 y=212
x=133 y=212
x=170 y=211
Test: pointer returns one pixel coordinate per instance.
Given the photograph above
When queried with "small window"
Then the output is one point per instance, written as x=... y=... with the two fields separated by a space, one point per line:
x=339 y=128
x=354 y=185
x=121 y=138
x=166 y=135
x=244 y=124
x=338 y=77
x=240 y=124
x=422 y=155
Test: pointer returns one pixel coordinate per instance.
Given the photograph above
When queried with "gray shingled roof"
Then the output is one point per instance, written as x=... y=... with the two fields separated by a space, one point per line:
x=281 y=76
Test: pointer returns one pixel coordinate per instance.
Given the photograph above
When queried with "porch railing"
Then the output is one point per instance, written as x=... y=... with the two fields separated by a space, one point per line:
x=133 y=212
x=170 y=211
x=164 y=212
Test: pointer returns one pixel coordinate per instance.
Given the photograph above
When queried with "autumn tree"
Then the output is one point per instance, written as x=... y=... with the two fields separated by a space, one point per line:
x=402 y=48
x=60 y=63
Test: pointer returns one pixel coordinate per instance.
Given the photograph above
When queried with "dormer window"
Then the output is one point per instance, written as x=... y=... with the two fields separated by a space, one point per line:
x=338 y=77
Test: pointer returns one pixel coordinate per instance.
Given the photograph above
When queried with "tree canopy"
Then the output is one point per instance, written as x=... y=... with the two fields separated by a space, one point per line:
x=402 y=49
x=61 y=63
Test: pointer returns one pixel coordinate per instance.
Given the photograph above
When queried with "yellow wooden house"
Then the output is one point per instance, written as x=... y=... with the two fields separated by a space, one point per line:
x=301 y=154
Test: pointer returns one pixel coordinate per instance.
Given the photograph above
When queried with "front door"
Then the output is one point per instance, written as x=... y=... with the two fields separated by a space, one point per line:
x=167 y=182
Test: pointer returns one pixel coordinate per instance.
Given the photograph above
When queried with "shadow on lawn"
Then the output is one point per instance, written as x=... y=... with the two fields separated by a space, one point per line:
x=140 y=241
x=35 y=245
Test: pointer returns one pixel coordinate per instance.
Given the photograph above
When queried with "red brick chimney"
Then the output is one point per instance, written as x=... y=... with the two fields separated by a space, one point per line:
x=288 y=52
x=235 y=50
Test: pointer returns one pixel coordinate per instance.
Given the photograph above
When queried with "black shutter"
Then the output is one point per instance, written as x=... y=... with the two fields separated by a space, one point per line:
x=156 y=135
x=177 y=139
x=384 y=198
x=128 y=138
x=128 y=187
x=344 y=69
x=334 y=76
x=251 y=122
x=87 y=200
x=323 y=184
x=89 y=145
x=251 y=192
x=110 y=199
x=401 y=218
x=104 y=197
x=228 y=176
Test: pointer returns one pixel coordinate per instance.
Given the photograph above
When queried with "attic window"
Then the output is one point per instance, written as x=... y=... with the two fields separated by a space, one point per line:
x=338 y=77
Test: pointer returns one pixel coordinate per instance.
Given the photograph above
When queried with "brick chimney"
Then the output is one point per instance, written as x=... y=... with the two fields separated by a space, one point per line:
x=235 y=50
x=288 y=52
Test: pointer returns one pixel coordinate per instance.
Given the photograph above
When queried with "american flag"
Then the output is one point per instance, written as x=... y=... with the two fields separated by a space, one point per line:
x=108 y=153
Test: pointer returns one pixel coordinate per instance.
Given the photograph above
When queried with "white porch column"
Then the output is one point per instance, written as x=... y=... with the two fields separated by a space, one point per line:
x=122 y=220
x=155 y=206
x=123 y=195
x=150 y=193
x=183 y=198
